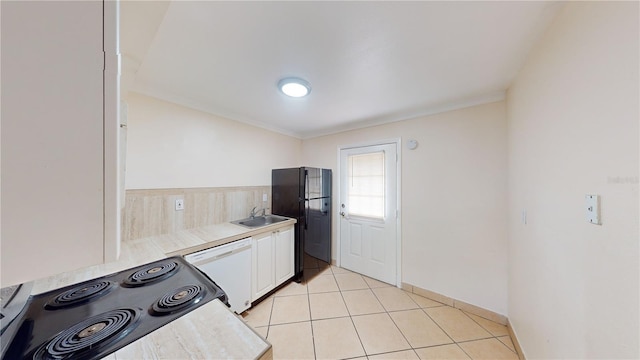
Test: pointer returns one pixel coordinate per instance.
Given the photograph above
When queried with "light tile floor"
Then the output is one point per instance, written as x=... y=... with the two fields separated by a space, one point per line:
x=338 y=314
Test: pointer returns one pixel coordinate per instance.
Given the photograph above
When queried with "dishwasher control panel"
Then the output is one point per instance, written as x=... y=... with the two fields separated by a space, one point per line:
x=218 y=251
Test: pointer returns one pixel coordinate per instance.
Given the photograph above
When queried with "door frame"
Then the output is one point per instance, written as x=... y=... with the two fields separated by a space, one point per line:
x=398 y=143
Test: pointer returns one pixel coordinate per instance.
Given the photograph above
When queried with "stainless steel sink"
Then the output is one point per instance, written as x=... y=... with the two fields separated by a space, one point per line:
x=258 y=221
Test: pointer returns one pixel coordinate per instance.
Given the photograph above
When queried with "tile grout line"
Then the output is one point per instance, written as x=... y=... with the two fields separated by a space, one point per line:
x=446 y=333
x=471 y=340
x=388 y=312
x=487 y=330
x=299 y=322
x=498 y=338
x=273 y=301
x=394 y=323
x=390 y=317
x=304 y=280
x=351 y=318
x=313 y=339
x=385 y=311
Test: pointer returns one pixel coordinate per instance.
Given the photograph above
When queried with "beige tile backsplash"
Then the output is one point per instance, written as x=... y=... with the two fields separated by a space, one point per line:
x=152 y=212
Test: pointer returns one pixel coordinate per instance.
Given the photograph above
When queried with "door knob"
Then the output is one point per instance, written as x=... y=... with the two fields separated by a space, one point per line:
x=342 y=213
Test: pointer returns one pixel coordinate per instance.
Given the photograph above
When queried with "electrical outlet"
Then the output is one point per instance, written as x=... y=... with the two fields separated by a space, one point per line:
x=264 y=197
x=180 y=204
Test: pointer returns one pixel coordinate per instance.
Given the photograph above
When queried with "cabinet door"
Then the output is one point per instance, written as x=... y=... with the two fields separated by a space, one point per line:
x=53 y=184
x=263 y=279
x=284 y=252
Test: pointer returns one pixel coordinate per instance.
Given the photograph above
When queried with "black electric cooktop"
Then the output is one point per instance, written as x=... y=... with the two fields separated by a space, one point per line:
x=92 y=319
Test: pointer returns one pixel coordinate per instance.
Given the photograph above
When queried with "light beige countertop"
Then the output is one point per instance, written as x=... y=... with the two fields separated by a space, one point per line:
x=141 y=251
x=210 y=236
x=211 y=331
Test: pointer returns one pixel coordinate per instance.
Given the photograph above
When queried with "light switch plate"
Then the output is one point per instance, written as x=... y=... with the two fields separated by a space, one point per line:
x=264 y=197
x=592 y=206
x=179 y=204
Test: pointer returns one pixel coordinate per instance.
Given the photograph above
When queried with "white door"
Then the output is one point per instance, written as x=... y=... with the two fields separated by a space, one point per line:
x=368 y=211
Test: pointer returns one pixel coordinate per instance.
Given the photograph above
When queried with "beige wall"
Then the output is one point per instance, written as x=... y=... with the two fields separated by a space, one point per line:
x=573 y=130
x=172 y=146
x=453 y=200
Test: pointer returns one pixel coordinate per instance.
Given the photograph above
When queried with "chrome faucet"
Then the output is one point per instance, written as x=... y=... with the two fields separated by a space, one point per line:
x=254 y=212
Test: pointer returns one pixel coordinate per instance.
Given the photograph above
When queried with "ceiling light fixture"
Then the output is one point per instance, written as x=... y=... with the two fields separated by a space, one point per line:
x=294 y=87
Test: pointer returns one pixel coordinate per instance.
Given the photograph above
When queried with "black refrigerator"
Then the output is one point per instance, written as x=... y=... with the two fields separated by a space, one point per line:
x=305 y=194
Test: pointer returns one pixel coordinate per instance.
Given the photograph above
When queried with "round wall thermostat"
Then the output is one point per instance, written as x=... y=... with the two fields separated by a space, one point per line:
x=412 y=144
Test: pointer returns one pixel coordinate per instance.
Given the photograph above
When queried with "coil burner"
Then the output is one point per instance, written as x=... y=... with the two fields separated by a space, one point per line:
x=177 y=300
x=78 y=341
x=151 y=273
x=98 y=317
x=80 y=295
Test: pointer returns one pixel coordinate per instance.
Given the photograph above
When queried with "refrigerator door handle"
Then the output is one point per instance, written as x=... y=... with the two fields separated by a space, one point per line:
x=306 y=198
x=306 y=184
x=306 y=214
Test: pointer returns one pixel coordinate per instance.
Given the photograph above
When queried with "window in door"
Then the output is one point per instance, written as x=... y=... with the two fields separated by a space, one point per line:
x=366 y=187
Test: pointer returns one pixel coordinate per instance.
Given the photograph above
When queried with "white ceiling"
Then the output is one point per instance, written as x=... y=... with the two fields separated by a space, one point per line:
x=367 y=62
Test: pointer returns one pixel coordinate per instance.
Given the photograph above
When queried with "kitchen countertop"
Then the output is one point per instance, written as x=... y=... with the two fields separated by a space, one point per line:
x=141 y=251
x=211 y=331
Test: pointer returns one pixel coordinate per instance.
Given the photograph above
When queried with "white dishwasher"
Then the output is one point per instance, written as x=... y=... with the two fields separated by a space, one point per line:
x=229 y=265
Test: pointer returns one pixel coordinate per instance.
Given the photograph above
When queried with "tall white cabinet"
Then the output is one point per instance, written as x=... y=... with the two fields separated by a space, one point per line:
x=273 y=260
x=59 y=203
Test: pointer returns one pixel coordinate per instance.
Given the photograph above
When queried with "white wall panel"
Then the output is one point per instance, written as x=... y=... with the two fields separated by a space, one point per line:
x=573 y=130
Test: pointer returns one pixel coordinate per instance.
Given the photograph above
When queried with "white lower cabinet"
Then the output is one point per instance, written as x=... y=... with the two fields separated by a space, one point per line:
x=263 y=277
x=284 y=255
x=273 y=260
